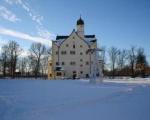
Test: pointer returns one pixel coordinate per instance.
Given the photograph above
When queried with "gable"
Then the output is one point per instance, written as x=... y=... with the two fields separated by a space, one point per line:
x=88 y=39
x=74 y=39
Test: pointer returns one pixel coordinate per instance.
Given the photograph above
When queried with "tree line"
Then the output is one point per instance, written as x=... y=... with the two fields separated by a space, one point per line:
x=34 y=64
x=125 y=62
x=115 y=62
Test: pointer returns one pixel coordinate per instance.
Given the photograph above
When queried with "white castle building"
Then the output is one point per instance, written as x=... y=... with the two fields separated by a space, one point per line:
x=71 y=56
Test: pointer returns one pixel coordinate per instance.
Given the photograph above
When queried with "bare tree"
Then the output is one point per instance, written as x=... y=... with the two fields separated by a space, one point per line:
x=4 y=59
x=45 y=60
x=121 y=58
x=49 y=51
x=37 y=51
x=28 y=66
x=103 y=57
x=10 y=53
x=14 y=50
x=113 y=52
x=132 y=60
x=22 y=65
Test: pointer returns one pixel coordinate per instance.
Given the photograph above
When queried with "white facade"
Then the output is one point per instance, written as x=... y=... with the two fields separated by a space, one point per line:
x=71 y=54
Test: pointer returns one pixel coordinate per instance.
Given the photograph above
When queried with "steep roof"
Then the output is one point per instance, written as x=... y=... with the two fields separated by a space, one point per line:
x=89 y=36
x=89 y=39
x=58 y=37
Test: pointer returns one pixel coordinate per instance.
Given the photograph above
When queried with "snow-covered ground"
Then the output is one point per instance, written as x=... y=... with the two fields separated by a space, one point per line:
x=130 y=80
x=74 y=100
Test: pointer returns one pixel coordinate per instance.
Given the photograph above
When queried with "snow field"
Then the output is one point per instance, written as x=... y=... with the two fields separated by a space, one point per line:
x=74 y=100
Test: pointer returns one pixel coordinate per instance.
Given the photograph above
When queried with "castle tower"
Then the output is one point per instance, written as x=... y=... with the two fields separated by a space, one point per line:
x=80 y=27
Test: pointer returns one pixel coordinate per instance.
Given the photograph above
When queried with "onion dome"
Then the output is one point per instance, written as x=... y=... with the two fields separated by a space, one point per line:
x=80 y=21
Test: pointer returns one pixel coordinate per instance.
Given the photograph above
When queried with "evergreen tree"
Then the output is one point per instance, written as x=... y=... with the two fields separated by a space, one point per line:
x=141 y=62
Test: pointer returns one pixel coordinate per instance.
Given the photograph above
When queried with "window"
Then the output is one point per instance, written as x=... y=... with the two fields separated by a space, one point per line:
x=81 y=46
x=87 y=63
x=72 y=52
x=56 y=52
x=81 y=72
x=81 y=65
x=87 y=75
x=73 y=46
x=63 y=52
x=87 y=52
x=67 y=45
x=58 y=73
x=63 y=63
x=81 y=60
x=57 y=63
x=81 y=53
x=72 y=63
x=50 y=75
x=50 y=64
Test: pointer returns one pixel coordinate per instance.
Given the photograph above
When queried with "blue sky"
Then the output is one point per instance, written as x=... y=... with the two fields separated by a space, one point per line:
x=119 y=23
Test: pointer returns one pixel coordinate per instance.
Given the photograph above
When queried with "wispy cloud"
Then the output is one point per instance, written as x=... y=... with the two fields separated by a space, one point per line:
x=13 y=1
x=34 y=16
x=8 y=15
x=24 y=36
x=41 y=30
x=44 y=33
x=24 y=53
x=2 y=42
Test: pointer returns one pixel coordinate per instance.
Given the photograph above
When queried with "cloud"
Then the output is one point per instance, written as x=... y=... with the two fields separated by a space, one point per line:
x=24 y=36
x=44 y=33
x=13 y=1
x=2 y=42
x=8 y=15
x=41 y=30
x=25 y=53
x=35 y=17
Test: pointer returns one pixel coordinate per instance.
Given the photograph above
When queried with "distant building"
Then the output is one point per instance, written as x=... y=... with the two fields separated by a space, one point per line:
x=71 y=57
